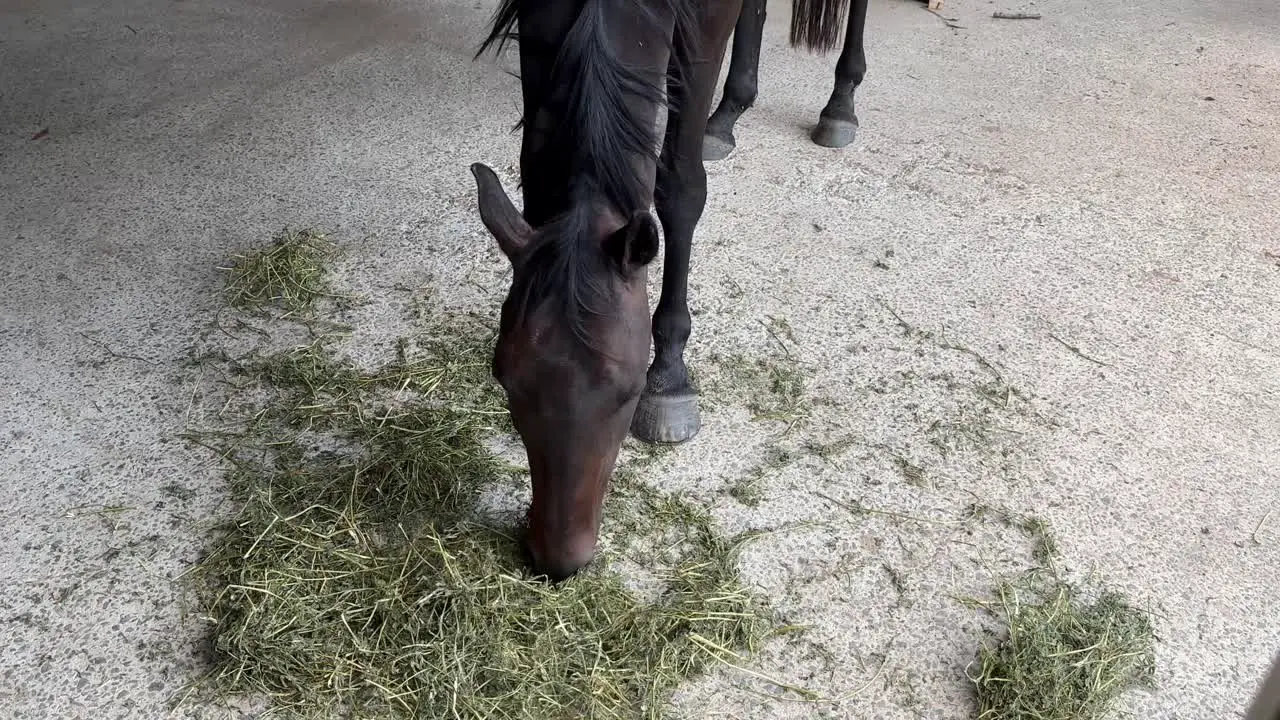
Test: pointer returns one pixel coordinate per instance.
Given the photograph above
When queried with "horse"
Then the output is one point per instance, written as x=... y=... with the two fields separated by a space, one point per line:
x=572 y=352
x=838 y=122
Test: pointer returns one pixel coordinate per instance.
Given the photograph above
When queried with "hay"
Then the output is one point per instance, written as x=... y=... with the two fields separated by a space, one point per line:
x=291 y=272
x=772 y=388
x=1044 y=544
x=358 y=578
x=1065 y=657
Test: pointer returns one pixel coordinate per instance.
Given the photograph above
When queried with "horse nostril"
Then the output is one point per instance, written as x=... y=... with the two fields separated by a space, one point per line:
x=561 y=563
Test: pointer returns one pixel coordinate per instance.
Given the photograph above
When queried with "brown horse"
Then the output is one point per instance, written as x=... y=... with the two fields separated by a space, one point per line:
x=573 y=342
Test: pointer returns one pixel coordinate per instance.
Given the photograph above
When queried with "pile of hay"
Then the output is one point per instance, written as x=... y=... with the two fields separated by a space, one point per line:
x=290 y=272
x=359 y=578
x=1065 y=657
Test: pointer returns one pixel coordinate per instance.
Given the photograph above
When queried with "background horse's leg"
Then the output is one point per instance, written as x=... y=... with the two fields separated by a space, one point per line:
x=740 y=85
x=668 y=409
x=838 y=124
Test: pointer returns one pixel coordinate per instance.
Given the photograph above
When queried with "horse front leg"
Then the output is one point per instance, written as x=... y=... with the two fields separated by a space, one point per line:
x=838 y=123
x=740 y=85
x=668 y=408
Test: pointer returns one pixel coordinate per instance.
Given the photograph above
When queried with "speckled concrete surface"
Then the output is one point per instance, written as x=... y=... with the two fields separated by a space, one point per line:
x=1104 y=178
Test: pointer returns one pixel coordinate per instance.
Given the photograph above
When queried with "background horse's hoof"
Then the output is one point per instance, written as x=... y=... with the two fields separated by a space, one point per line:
x=714 y=148
x=666 y=418
x=834 y=133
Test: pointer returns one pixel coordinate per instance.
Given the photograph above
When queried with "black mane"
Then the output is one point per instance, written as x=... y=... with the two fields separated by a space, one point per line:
x=599 y=138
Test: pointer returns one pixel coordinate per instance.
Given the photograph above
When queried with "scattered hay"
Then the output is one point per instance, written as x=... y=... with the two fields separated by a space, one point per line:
x=1045 y=544
x=360 y=578
x=749 y=488
x=915 y=475
x=1065 y=658
x=290 y=273
x=772 y=387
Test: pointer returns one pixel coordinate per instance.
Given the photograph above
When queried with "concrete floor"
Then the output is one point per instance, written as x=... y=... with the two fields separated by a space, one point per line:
x=1104 y=178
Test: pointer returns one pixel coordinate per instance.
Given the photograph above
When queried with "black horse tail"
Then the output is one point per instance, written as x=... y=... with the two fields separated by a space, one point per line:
x=817 y=23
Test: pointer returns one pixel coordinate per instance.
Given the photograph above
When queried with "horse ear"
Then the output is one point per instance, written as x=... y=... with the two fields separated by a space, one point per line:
x=499 y=214
x=636 y=244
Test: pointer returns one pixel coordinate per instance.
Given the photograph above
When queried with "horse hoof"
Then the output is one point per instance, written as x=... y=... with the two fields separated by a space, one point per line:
x=714 y=148
x=834 y=133
x=666 y=418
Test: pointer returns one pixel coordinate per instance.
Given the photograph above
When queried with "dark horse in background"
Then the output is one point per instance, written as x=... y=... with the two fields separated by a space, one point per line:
x=574 y=336
x=838 y=123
